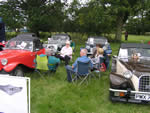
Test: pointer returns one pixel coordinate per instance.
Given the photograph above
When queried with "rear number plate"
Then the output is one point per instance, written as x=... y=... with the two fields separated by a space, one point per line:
x=142 y=97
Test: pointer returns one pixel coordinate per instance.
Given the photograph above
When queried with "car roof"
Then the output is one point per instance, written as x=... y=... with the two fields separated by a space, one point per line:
x=25 y=37
x=135 y=45
x=97 y=37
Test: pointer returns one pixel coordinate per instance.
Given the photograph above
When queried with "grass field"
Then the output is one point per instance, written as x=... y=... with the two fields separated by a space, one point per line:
x=56 y=95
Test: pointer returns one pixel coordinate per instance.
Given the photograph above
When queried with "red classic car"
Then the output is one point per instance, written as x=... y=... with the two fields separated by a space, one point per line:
x=20 y=52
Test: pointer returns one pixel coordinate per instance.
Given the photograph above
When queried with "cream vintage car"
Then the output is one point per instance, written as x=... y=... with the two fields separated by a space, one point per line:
x=93 y=40
x=130 y=77
x=56 y=42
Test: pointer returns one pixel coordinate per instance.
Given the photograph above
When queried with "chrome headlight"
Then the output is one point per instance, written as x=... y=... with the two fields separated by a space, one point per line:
x=4 y=61
x=127 y=74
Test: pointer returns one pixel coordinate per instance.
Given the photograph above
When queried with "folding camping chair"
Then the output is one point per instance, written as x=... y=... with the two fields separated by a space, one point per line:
x=83 y=71
x=42 y=65
x=100 y=66
x=73 y=46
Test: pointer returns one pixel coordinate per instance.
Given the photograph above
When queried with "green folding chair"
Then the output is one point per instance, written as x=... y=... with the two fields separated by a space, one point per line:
x=42 y=65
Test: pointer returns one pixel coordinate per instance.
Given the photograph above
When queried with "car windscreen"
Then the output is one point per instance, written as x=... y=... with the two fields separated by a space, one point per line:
x=59 y=37
x=26 y=45
x=97 y=41
x=127 y=52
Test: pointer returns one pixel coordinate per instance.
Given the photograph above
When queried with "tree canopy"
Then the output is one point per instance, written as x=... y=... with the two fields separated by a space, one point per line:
x=92 y=17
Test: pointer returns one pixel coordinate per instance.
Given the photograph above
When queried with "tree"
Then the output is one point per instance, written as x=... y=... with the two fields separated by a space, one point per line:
x=71 y=13
x=139 y=22
x=37 y=15
x=121 y=10
x=12 y=14
x=93 y=19
x=43 y=15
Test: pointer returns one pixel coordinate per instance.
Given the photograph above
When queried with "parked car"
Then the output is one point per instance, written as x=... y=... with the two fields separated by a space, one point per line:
x=57 y=41
x=20 y=52
x=92 y=41
x=130 y=77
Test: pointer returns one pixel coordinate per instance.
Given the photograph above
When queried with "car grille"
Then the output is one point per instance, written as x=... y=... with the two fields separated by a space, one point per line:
x=144 y=83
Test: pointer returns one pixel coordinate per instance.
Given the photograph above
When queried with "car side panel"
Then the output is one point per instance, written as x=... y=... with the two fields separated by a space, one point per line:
x=26 y=59
x=10 y=67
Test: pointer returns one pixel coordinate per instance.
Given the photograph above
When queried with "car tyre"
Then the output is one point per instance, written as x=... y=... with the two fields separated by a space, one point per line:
x=17 y=72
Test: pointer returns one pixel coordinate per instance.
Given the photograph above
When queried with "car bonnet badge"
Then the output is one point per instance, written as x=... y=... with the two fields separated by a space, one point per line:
x=10 y=90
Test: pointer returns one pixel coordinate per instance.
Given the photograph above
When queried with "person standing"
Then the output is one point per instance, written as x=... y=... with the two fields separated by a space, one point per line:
x=2 y=30
x=107 y=54
x=126 y=35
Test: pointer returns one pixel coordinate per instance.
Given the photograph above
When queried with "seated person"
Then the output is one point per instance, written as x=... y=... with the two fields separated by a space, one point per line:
x=65 y=53
x=72 y=69
x=135 y=57
x=53 y=62
x=96 y=57
x=95 y=49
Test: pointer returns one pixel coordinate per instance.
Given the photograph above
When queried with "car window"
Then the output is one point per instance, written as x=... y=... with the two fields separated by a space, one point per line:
x=91 y=40
x=129 y=51
x=123 y=53
x=26 y=45
x=64 y=38
x=55 y=37
x=97 y=41
x=60 y=37
x=37 y=45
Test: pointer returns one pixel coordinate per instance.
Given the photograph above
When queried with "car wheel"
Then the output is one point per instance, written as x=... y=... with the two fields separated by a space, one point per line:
x=17 y=72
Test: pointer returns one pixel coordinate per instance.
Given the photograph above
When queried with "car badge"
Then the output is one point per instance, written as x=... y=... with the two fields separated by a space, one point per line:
x=10 y=90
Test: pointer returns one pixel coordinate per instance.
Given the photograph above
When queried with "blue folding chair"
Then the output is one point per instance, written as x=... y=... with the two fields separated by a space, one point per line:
x=83 y=71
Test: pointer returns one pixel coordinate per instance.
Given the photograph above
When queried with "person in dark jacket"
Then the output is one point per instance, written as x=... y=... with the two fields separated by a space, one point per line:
x=126 y=35
x=107 y=54
x=2 y=30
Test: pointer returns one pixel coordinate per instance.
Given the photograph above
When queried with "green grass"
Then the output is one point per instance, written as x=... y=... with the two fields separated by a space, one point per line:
x=55 y=95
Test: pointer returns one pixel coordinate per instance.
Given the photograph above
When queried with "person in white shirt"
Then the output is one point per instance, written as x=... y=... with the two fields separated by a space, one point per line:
x=66 y=53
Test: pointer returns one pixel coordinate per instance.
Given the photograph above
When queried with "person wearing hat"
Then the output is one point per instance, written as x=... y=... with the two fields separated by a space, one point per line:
x=66 y=53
